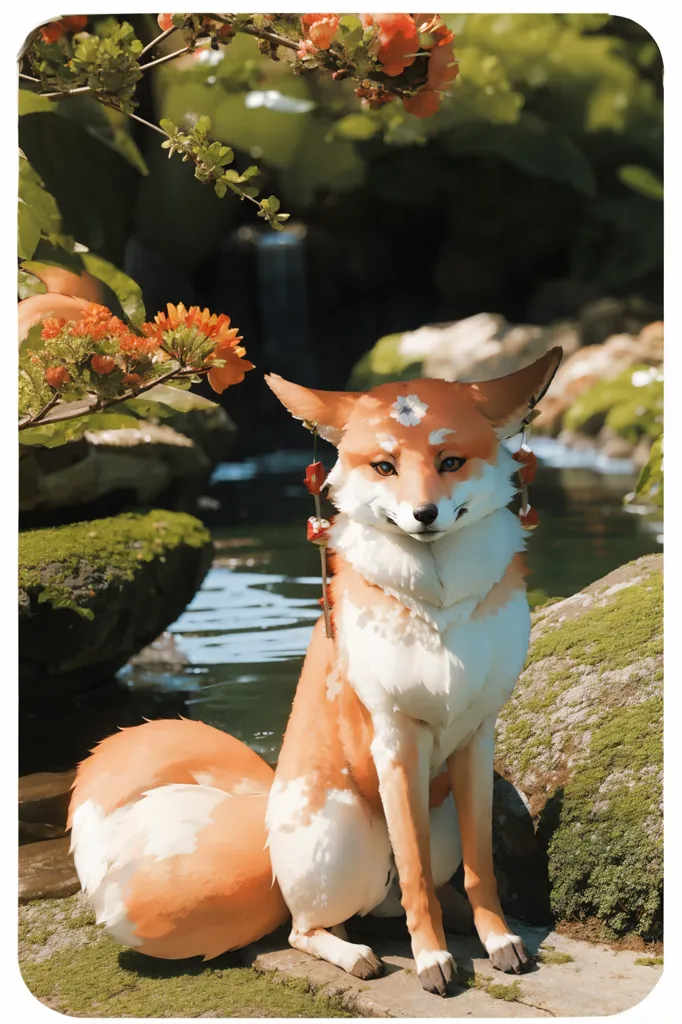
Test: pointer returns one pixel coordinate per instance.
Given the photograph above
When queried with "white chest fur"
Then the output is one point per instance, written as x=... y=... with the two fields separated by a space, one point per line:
x=438 y=664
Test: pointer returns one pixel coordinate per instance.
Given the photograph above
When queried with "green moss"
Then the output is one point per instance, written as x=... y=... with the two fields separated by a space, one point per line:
x=605 y=856
x=649 y=961
x=50 y=560
x=610 y=635
x=630 y=411
x=384 y=362
x=550 y=955
x=92 y=976
x=510 y=993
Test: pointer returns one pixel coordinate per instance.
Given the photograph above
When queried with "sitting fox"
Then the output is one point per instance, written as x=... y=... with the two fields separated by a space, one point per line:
x=384 y=782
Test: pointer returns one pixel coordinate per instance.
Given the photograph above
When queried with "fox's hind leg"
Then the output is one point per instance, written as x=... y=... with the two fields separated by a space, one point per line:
x=332 y=859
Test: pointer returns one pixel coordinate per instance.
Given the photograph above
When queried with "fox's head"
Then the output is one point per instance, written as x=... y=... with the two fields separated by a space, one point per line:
x=422 y=457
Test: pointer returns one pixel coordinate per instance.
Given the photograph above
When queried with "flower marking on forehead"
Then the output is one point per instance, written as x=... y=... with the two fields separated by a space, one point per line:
x=408 y=410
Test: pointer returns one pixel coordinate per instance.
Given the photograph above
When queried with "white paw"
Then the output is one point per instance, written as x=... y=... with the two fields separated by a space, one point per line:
x=507 y=953
x=433 y=958
x=437 y=971
x=495 y=942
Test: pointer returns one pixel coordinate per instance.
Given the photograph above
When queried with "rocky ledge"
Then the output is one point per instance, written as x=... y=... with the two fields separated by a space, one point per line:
x=581 y=739
x=92 y=594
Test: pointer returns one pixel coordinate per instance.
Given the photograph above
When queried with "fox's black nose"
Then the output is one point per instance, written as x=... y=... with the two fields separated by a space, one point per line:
x=425 y=514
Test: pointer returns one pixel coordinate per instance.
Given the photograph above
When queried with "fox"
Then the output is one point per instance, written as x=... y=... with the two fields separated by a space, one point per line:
x=185 y=840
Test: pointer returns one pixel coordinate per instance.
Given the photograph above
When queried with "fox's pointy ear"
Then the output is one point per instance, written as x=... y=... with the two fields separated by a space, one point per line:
x=329 y=411
x=509 y=401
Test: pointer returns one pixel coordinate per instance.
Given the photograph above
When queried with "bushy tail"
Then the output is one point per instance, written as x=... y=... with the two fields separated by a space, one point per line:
x=169 y=840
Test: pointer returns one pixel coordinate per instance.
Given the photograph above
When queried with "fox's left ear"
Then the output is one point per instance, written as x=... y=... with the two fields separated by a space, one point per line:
x=508 y=402
x=329 y=411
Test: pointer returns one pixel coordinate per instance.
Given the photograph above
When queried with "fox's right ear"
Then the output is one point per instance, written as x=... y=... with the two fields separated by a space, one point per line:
x=329 y=411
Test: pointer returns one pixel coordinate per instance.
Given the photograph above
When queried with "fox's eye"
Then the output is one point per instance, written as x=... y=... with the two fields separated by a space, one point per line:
x=451 y=464
x=384 y=468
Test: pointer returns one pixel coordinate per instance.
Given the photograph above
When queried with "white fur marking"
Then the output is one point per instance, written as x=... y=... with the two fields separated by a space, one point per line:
x=495 y=942
x=387 y=443
x=408 y=410
x=202 y=778
x=438 y=436
x=432 y=958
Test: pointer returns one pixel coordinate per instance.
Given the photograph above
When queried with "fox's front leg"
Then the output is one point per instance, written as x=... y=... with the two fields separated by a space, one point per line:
x=471 y=777
x=401 y=749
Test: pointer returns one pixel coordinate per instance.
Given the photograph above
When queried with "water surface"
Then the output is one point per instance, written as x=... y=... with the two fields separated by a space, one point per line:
x=247 y=629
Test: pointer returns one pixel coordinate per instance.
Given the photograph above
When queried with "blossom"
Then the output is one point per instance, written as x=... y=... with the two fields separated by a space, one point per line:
x=57 y=375
x=52 y=327
x=131 y=378
x=52 y=32
x=75 y=22
x=320 y=28
x=233 y=369
x=398 y=41
x=102 y=364
x=408 y=410
x=165 y=21
x=442 y=69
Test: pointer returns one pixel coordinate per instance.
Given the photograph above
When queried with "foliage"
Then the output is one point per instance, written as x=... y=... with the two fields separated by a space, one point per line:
x=650 y=483
x=76 y=369
x=631 y=405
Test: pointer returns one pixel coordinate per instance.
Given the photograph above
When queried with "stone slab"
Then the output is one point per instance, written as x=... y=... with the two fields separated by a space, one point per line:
x=597 y=981
x=46 y=870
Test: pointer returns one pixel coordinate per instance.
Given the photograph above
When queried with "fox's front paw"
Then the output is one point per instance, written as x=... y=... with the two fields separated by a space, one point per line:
x=437 y=971
x=507 y=953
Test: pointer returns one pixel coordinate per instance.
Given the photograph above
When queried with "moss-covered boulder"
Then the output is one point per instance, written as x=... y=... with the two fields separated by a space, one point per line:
x=581 y=737
x=92 y=594
x=477 y=348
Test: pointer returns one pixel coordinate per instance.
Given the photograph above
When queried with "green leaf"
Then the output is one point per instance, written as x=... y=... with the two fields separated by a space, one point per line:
x=127 y=291
x=33 y=341
x=31 y=103
x=356 y=127
x=642 y=180
x=180 y=401
x=52 y=254
x=29 y=284
x=29 y=231
x=52 y=435
x=530 y=145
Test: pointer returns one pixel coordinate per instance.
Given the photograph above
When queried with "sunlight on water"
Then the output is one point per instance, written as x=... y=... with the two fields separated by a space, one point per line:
x=247 y=629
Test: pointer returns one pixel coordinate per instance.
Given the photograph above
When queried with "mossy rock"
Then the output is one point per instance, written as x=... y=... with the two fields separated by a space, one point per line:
x=92 y=594
x=72 y=966
x=630 y=412
x=581 y=737
x=384 y=362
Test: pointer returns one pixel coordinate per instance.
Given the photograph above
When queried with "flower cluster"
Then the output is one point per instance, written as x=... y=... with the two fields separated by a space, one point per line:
x=54 y=30
x=395 y=43
x=98 y=357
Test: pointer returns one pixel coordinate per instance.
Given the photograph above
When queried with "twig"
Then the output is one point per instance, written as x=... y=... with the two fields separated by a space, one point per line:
x=65 y=413
x=259 y=33
x=65 y=93
x=29 y=78
x=158 y=40
x=163 y=60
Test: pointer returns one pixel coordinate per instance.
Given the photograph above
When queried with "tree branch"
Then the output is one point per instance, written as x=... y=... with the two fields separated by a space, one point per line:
x=72 y=410
x=158 y=40
x=164 y=60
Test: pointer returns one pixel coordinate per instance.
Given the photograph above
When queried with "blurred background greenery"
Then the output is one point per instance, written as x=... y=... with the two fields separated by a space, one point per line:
x=536 y=188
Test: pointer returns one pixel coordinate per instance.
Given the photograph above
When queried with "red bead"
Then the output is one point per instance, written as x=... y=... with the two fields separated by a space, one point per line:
x=529 y=518
x=315 y=477
x=317 y=531
x=528 y=466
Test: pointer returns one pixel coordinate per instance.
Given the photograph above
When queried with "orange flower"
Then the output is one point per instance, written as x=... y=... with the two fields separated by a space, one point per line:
x=52 y=32
x=233 y=369
x=52 y=327
x=321 y=28
x=134 y=345
x=131 y=378
x=103 y=364
x=165 y=21
x=56 y=376
x=442 y=71
x=213 y=325
x=75 y=22
x=398 y=40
